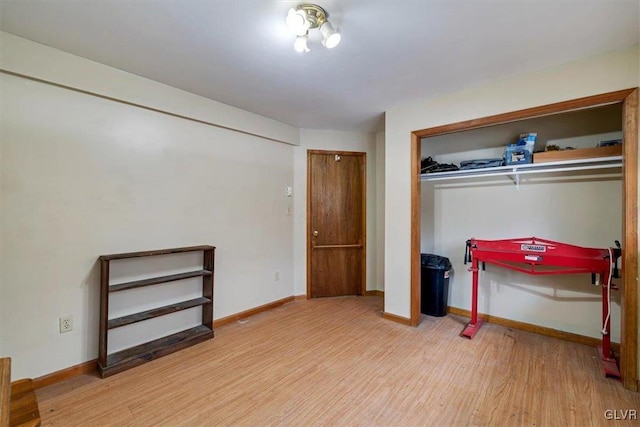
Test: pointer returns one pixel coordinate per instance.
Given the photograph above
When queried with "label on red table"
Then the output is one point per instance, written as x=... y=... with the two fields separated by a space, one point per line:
x=533 y=248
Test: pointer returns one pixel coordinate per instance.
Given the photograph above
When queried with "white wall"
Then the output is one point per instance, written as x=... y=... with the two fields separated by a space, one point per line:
x=605 y=73
x=37 y=61
x=82 y=176
x=340 y=141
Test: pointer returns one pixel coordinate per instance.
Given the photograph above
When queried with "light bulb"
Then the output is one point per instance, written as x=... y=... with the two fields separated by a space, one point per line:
x=300 y=45
x=331 y=37
x=297 y=21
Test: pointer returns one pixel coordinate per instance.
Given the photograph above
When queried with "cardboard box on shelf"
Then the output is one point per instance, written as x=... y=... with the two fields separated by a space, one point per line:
x=580 y=153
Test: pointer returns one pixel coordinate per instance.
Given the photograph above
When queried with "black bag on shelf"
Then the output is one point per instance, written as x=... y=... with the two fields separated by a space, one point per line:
x=428 y=165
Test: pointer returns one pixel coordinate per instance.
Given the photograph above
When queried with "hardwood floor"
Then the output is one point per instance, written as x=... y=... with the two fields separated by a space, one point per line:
x=337 y=362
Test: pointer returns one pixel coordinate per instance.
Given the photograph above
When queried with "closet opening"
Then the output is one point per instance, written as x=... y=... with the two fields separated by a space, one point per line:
x=532 y=201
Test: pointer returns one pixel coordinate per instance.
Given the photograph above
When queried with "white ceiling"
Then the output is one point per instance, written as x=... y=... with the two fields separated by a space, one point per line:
x=239 y=51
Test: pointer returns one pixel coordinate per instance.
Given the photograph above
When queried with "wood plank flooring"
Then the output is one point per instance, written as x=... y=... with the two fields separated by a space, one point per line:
x=335 y=361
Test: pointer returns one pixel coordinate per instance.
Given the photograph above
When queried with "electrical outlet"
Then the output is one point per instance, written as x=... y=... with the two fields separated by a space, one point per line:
x=66 y=324
x=277 y=278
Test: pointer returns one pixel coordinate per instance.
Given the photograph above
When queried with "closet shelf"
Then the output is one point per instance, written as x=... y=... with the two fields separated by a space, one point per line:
x=529 y=168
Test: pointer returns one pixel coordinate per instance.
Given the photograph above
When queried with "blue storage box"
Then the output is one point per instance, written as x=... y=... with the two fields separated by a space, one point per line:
x=522 y=151
x=527 y=139
x=518 y=154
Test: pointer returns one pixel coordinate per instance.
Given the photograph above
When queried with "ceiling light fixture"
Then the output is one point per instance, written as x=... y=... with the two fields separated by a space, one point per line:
x=300 y=45
x=306 y=17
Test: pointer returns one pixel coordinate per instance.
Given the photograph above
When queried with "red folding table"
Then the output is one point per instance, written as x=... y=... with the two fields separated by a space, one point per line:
x=528 y=255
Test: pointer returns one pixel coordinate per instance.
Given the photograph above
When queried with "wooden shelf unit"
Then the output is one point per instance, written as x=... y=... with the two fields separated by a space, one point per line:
x=109 y=364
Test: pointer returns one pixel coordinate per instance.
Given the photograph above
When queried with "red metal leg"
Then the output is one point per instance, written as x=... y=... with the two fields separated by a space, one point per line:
x=474 y=298
x=474 y=325
x=609 y=364
x=606 y=328
x=606 y=355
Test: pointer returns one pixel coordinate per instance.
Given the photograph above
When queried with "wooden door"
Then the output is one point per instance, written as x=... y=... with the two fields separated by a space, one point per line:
x=336 y=200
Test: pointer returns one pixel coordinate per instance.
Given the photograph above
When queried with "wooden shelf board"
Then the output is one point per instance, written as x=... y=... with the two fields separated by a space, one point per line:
x=134 y=356
x=156 y=280
x=155 y=252
x=156 y=312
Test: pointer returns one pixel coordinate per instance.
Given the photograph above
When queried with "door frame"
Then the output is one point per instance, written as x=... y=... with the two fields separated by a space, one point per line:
x=363 y=172
x=629 y=293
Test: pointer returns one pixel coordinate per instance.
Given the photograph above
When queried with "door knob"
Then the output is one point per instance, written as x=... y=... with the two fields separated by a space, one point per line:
x=315 y=233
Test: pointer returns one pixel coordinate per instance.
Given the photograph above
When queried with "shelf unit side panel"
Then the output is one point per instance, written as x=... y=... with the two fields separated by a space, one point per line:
x=207 y=287
x=104 y=311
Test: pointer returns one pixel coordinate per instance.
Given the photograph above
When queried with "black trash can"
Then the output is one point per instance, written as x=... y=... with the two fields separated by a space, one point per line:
x=434 y=282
